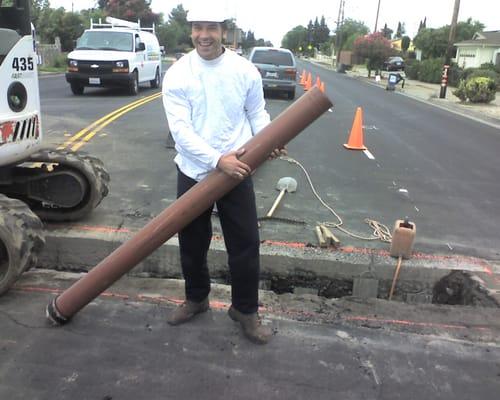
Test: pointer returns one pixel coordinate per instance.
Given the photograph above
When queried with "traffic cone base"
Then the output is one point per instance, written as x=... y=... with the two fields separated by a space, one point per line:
x=355 y=141
x=347 y=146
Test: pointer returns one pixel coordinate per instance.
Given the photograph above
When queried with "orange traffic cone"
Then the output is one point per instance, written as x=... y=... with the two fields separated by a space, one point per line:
x=303 y=77
x=355 y=141
x=318 y=82
x=322 y=87
x=308 y=84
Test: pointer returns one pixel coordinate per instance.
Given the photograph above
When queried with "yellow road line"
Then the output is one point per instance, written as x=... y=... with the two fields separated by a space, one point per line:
x=92 y=133
x=110 y=115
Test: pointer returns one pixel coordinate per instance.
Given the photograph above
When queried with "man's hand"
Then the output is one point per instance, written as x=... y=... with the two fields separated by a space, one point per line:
x=277 y=153
x=232 y=166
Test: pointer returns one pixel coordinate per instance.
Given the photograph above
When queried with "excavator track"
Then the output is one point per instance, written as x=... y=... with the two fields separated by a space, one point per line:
x=91 y=170
x=21 y=240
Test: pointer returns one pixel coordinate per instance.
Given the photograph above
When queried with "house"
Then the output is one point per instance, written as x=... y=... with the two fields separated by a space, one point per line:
x=396 y=44
x=484 y=47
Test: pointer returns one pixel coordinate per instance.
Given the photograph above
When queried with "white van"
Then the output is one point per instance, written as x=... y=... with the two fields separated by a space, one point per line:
x=116 y=53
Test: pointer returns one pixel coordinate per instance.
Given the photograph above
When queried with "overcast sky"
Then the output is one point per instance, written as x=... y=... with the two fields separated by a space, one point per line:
x=271 y=19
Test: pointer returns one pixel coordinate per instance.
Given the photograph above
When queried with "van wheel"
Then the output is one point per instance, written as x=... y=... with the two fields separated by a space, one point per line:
x=291 y=94
x=155 y=83
x=77 y=89
x=134 y=85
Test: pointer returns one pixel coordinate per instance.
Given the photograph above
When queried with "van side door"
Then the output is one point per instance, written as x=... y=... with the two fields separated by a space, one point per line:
x=140 y=58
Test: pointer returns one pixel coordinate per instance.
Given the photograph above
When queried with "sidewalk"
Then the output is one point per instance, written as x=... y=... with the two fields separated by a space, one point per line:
x=429 y=93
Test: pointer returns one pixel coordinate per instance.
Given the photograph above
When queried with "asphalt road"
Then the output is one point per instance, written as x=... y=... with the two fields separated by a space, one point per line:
x=120 y=348
x=436 y=167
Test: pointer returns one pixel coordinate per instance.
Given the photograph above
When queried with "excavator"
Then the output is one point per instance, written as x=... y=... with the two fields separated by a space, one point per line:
x=36 y=183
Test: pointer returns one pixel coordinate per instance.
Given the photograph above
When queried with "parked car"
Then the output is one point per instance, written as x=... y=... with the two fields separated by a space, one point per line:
x=394 y=64
x=277 y=68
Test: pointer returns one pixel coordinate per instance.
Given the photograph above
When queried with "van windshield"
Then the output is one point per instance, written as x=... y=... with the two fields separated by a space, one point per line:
x=105 y=40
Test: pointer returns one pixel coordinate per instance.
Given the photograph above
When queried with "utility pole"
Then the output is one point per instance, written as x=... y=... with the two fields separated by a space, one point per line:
x=453 y=30
x=376 y=19
x=449 y=49
x=340 y=21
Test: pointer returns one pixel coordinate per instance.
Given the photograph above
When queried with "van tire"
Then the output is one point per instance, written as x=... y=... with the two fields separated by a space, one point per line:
x=291 y=94
x=155 y=83
x=77 y=89
x=134 y=84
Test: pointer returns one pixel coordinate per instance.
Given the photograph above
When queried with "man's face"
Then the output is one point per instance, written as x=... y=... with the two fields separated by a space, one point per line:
x=207 y=39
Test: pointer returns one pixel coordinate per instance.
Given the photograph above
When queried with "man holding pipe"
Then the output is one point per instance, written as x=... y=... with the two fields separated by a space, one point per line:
x=214 y=103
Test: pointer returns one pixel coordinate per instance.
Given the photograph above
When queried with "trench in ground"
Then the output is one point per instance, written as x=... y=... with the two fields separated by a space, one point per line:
x=459 y=288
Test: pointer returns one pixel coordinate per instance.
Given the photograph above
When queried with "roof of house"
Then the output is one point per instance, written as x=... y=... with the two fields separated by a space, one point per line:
x=490 y=38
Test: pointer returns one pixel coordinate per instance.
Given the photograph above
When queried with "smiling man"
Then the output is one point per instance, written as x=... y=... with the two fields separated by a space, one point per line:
x=214 y=103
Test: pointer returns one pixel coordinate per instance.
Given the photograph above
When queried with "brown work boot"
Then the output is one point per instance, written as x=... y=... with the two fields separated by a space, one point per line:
x=251 y=325
x=186 y=311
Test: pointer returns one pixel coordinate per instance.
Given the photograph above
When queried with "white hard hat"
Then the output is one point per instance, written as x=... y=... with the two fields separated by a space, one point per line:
x=207 y=14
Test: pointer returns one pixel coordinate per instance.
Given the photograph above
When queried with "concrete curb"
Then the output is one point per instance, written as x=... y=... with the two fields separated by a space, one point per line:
x=284 y=267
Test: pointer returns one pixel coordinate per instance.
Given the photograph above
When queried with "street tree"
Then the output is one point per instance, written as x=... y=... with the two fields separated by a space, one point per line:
x=174 y=34
x=296 y=39
x=347 y=33
x=315 y=34
x=310 y=30
x=422 y=24
x=132 y=10
x=433 y=42
x=93 y=14
x=400 y=31
x=248 y=40
x=386 y=32
x=375 y=48
x=323 y=34
x=36 y=8
x=54 y=23
x=405 y=43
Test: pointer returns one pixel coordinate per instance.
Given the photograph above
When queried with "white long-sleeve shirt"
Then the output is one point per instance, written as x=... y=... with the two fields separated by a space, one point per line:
x=212 y=107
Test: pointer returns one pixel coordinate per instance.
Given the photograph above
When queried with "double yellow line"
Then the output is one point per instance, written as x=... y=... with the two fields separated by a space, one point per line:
x=82 y=137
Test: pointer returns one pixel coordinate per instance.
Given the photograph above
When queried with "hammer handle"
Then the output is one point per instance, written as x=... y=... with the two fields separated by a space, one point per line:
x=276 y=202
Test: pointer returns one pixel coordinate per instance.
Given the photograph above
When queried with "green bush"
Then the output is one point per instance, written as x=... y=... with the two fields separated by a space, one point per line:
x=480 y=89
x=486 y=73
x=455 y=75
x=60 y=61
x=460 y=91
x=491 y=67
x=431 y=70
x=412 y=68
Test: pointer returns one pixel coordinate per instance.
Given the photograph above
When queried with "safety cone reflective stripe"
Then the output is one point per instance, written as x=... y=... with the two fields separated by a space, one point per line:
x=308 y=84
x=303 y=78
x=355 y=141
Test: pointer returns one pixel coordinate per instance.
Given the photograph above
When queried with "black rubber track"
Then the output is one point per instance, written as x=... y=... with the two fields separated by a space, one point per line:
x=21 y=240
x=92 y=170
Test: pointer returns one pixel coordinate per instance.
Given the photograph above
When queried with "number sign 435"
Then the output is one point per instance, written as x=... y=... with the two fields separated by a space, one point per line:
x=23 y=64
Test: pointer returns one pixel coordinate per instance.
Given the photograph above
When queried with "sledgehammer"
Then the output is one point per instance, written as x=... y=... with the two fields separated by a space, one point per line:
x=194 y=202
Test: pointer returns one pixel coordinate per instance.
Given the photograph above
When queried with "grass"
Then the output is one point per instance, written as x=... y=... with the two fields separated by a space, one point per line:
x=52 y=69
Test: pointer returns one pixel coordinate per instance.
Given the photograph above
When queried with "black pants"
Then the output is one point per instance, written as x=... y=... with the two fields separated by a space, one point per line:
x=238 y=217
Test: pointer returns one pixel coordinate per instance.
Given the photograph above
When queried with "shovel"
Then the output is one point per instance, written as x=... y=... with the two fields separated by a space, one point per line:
x=285 y=184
